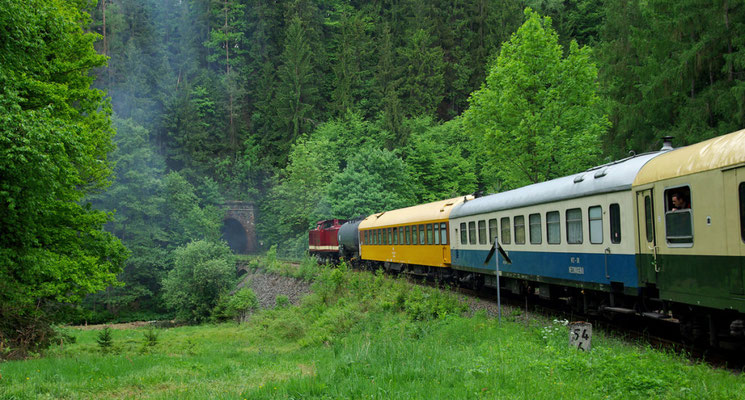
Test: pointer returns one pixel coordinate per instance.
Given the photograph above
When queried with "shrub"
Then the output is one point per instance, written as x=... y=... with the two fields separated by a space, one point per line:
x=203 y=272
x=282 y=301
x=236 y=306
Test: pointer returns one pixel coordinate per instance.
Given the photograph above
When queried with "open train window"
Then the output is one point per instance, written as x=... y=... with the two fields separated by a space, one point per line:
x=472 y=232
x=535 y=228
x=463 y=233
x=492 y=230
x=443 y=233
x=595 y=216
x=482 y=232
x=553 y=227
x=678 y=216
x=519 y=221
x=742 y=211
x=505 y=237
x=615 y=223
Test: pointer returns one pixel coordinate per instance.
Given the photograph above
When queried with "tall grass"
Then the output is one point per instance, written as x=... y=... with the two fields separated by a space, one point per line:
x=361 y=335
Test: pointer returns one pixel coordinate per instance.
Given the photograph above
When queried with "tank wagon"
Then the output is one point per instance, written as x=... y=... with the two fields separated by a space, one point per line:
x=660 y=235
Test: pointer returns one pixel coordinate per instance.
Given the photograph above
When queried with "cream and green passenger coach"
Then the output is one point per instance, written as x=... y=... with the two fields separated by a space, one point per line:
x=694 y=255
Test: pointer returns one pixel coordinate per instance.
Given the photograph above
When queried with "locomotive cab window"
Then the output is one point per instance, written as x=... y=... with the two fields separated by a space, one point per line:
x=678 y=216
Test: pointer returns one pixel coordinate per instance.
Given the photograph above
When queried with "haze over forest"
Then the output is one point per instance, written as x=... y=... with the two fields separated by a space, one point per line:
x=313 y=110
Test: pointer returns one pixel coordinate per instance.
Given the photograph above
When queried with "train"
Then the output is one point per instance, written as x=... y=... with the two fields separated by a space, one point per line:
x=658 y=235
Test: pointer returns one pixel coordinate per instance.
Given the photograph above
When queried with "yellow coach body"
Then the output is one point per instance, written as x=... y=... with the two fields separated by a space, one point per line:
x=415 y=235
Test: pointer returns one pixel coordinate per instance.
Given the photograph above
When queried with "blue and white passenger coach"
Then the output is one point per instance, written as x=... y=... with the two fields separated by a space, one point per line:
x=572 y=232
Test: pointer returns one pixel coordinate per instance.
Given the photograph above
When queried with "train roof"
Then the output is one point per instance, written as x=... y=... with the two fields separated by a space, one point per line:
x=613 y=177
x=435 y=211
x=719 y=152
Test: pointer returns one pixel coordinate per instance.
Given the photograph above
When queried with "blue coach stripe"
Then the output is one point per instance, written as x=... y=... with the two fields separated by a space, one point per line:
x=580 y=267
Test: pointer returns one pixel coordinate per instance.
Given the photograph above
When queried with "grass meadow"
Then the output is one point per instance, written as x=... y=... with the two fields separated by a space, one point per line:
x=362 y=336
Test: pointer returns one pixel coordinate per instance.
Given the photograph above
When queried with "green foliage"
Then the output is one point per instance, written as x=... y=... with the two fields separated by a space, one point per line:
x=236 y=306
x=150 y=340
x=538 y=115
x=105 y=340
x=441 y=157
x=55 y=137
x=282 y=301
x=373 y=181
x=202 y=272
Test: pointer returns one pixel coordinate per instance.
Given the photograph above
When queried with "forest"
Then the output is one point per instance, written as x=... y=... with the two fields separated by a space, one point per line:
x=127 y=123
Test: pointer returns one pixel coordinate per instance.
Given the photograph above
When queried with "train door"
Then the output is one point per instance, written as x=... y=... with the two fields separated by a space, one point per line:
x=734 y=206
x=648 y=267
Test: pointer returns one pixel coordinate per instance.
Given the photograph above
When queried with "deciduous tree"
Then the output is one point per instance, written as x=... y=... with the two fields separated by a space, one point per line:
x=538 y=114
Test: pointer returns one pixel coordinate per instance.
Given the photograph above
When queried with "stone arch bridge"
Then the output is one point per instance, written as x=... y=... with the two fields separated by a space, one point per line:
x=239 y=226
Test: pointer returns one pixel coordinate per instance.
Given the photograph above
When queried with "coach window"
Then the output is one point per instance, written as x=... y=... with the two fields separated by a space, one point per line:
x=429 y=234
x=595 y=216
x=407 y=234
x=437 y=233
x=534 y=220
x=463 y=233
x=615 y=223
x=482 y=232
x=574 y=226
x=553 y=227
x=678 y=216
x=413 y=235
x=390 y=235
x=492 y=230
x=422 y=237
x=742 y=211
x=519 y=221
x=443 y=233
x=385 y=236
x=506 y=236
x=395 y=235
x=472 y=232
x=365 y=238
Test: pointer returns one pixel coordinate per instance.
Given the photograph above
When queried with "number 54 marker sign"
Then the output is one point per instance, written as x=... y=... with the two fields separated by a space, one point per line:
x=580 y=335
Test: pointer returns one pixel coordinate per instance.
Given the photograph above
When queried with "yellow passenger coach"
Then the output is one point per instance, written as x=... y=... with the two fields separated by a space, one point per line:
x=412 y=236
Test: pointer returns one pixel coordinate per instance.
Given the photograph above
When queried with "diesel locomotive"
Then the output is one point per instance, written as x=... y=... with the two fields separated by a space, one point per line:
x=659 y=235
